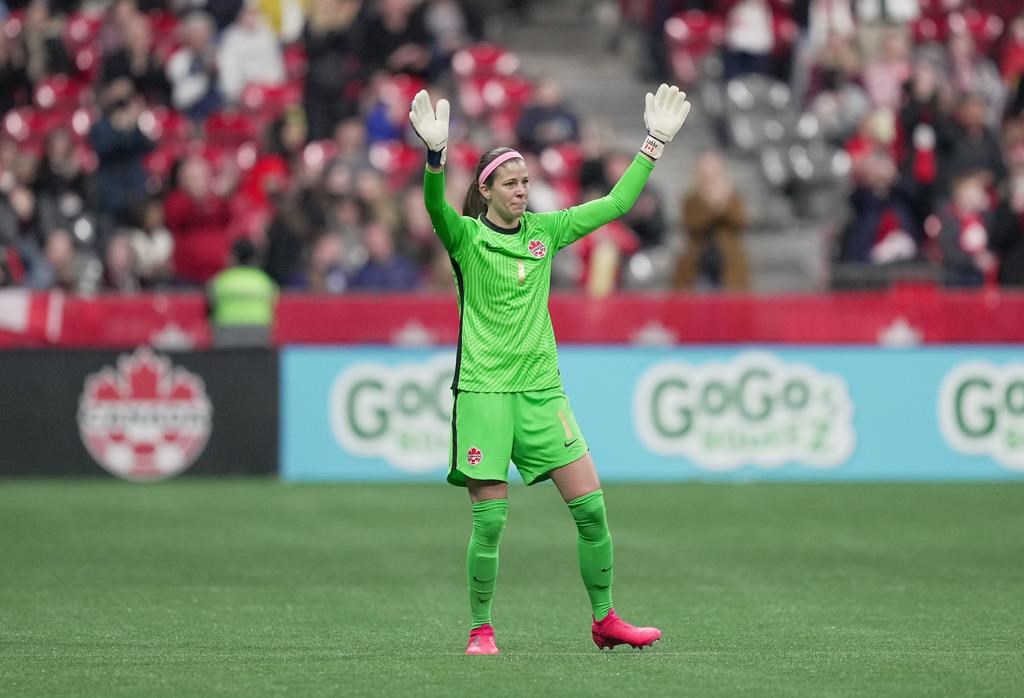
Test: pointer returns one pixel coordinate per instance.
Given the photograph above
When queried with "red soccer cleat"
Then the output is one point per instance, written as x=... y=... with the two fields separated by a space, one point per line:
x=612 y=630
x=481 y=640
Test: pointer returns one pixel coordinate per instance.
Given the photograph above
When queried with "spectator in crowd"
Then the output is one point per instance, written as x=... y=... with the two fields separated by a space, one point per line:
x=119 y=266
x=452 y=25
x=384 y=269
x=878 y=18
x=61 y=175
x=138 y=61
x=120 y=145
x=14 y=84
x=1012 y=67
x=242 y=299
x=602 y=253
x=120 y=14
x=838 y=100
x=325 y=270
x=749 y=38
x=972 y=72
x=152 y=244
x=1007 y=240
x=42 y=39
x=192 y=69
x=198 y=218
x=63 y=267
x=351 y=141
x=878 y=133
x=647 y=217
x=964 y=234
x=222 y=12
x=249 y=53
x=884 y=77
x=18 y=216
x=332 y=36
x=968 y=143
x=419 y=241
x=63 y=187
x=714 y=218
x=547 y=120
x=396 y=39
x=820 y=23
x=883 y=228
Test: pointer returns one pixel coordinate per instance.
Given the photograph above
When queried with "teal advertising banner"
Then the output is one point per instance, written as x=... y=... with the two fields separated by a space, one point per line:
x=695 y=413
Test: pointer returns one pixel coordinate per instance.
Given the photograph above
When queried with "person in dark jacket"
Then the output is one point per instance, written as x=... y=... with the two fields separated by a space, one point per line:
x=120 y=144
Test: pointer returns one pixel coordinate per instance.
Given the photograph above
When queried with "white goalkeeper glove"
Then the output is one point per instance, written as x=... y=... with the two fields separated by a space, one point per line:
x=431 y=127
x=664 y=115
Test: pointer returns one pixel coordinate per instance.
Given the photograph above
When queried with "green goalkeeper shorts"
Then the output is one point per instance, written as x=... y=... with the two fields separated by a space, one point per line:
x=534 y=429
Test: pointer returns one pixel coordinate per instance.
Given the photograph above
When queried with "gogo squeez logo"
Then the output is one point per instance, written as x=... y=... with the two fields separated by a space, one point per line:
x=753 y=410
x=981 y=411
x=400 y=413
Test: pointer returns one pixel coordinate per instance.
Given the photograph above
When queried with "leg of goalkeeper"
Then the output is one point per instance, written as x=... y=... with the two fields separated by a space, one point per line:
x=490 y=510
x=578 y=484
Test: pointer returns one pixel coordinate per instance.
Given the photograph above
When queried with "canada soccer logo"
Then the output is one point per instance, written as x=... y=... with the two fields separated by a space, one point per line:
x=537 y=248
x=147 y=420
x=474 y=455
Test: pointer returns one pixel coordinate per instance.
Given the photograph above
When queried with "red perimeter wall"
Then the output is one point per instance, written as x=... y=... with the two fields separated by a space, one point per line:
x=58 y=320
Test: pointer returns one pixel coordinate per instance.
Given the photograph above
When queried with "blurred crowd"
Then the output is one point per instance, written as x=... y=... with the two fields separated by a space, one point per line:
x=141 y=139
x=913 y=109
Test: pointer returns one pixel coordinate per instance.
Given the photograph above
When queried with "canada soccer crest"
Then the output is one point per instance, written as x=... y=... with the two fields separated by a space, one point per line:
x=474 y=455
x=146 y=420
x=537 y=248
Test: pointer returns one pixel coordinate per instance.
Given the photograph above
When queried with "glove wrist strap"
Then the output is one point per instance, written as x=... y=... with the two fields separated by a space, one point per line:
x=436 y=158
x=652 y=147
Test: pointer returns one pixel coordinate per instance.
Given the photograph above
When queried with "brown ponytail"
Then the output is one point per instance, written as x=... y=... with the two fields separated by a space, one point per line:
x=474 y=204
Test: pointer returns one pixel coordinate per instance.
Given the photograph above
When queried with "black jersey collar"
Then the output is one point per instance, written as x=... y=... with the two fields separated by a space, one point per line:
x=498 y=229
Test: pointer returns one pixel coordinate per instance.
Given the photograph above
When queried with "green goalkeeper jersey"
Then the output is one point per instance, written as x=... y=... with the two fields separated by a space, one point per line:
x=506 y=342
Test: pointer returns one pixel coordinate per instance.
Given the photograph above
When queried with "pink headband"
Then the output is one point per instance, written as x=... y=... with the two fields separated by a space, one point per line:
x=498 y=162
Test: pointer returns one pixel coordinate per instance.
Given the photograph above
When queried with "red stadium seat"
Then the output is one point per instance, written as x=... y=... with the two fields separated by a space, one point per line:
x=691 y=36
x=502 y=94
x=230 y=128
x=82 y=121
x=484 y=61
x=316 y=154
x=59 y=93
x=928 y=29
x=165 y=125
x=562 y=162
x=28 y=127
x=165 y=34
x=397 y=161
x=267 y=102
x=88 y=61
x=158 y=162
x=464 y=155
x=984 y=27
x=295 y=61
x=401 y=87
x=81 y=29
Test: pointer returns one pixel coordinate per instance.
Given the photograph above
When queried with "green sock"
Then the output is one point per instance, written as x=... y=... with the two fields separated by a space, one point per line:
x=482 y=558
x=595 y=548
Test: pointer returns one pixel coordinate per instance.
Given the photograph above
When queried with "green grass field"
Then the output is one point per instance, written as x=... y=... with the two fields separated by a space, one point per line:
x=250 y=587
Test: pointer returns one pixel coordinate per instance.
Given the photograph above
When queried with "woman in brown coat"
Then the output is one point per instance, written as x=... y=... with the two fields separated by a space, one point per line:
x=713 y=218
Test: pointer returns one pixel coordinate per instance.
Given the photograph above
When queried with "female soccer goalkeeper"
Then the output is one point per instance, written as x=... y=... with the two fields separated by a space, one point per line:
x=509 y=403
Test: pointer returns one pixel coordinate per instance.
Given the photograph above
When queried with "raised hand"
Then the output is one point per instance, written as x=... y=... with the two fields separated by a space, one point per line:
x=664 y=115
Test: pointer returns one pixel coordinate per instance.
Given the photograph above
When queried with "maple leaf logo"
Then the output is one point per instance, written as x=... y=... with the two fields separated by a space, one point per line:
x=537 y=248
x=146 y=420
x=474 y=455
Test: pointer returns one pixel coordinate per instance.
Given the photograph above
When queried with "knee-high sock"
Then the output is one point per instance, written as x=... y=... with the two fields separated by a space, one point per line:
x=482 y=557
x=595 y=548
